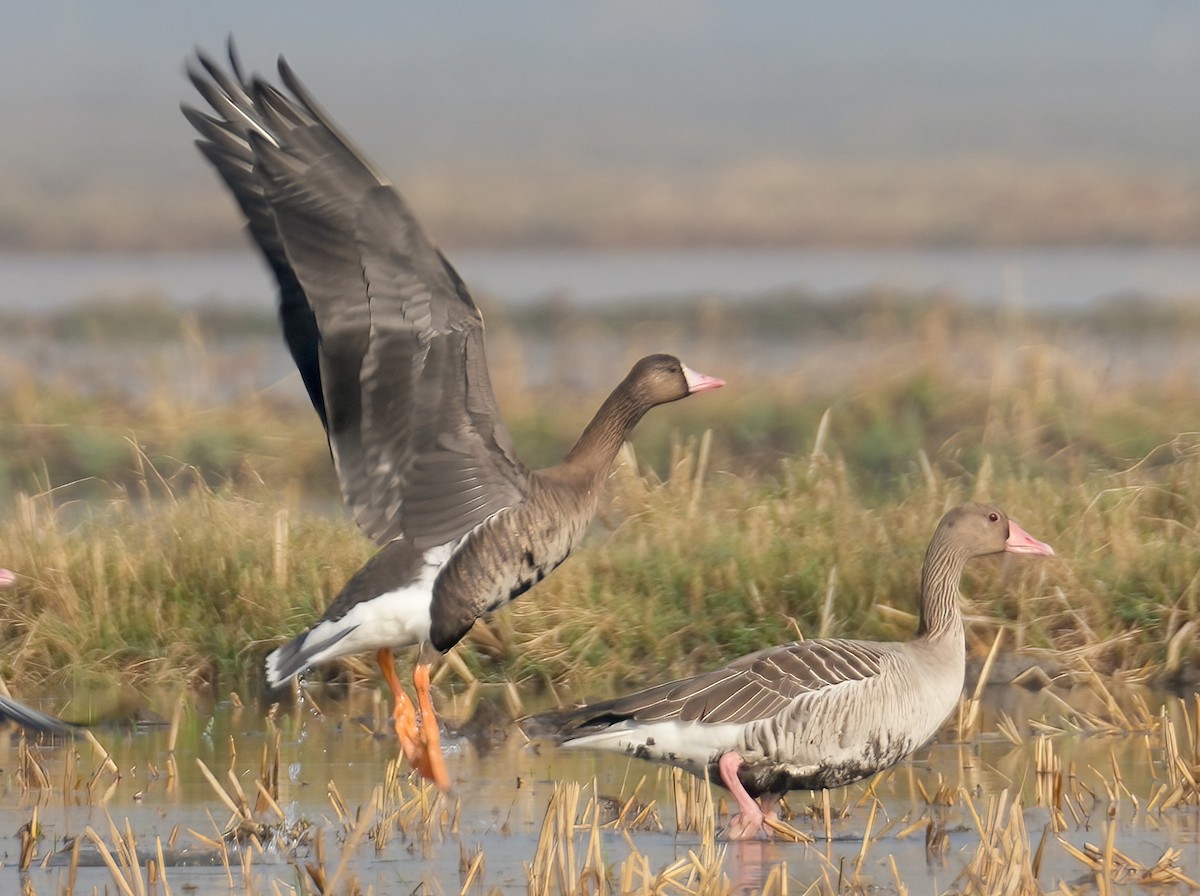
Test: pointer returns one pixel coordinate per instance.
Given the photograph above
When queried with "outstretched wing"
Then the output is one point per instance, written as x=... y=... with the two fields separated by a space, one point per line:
x=753 y=687
x=382 y=329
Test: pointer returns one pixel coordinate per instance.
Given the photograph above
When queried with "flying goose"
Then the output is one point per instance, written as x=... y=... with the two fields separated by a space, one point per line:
x=812 y=714
x=390 y=347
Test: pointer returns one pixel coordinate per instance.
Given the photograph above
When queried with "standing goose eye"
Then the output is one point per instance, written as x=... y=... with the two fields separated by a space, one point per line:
x=994 y=517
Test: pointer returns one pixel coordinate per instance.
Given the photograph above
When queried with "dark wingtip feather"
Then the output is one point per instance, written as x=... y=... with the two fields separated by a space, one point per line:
x=34 y=720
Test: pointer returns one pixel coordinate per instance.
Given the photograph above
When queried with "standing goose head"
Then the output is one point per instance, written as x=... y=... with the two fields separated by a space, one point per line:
x=975 y=530
x=969 y=530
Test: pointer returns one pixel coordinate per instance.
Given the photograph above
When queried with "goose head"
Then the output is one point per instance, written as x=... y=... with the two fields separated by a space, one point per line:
x=658 y=379
x=980 y=529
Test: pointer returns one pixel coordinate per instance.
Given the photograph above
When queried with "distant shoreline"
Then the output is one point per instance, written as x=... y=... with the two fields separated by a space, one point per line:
x=769 y=202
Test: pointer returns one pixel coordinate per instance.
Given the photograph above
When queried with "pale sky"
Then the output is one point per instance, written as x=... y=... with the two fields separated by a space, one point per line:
x=94 y=87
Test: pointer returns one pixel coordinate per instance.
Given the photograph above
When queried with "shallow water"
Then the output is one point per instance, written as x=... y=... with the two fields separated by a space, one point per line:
x=503 y=785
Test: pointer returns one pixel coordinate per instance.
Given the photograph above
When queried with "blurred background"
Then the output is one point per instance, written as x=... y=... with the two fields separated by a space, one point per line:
x=627 y=126
x=803 y=191
x=937 y=250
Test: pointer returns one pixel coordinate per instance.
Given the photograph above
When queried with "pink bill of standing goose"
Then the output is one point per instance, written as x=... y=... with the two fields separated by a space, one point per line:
x=390 y=347
x=812 y=714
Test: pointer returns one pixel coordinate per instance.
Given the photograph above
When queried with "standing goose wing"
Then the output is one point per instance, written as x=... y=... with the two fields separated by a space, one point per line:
x=385 y=334
x=756 y=686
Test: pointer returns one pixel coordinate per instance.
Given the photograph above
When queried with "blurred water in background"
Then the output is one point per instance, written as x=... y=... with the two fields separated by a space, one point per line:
x=575 y=352
x=1035 y=277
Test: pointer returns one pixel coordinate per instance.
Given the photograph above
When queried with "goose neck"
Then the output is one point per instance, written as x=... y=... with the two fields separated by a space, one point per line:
x=940 y=577
x=602 y=438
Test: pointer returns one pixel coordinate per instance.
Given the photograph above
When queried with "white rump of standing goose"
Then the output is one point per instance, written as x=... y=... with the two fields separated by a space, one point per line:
x=390 y=347
x=813 y=714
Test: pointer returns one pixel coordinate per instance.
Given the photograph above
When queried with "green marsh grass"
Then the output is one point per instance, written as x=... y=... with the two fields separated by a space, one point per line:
x=166 y=538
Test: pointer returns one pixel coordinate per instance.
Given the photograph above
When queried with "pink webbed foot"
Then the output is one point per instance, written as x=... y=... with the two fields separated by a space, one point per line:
x=748 y=822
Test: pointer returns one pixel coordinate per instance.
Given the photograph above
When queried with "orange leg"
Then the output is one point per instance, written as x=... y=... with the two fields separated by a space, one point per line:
x=404 y=716
x=420 y=750
x=433 y=765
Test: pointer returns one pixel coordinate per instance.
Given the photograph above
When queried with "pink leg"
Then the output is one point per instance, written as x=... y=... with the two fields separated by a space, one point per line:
x=748 y=822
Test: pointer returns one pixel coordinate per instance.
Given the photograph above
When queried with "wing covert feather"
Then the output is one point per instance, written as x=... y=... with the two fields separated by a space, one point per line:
x=753 y=687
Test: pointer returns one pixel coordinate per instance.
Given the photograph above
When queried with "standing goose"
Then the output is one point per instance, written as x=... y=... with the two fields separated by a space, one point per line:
x=813 y=714
x=390 y=347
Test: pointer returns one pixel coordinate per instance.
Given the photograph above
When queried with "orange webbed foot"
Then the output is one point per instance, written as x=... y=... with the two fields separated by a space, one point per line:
x=417 y=732
x=433 y=764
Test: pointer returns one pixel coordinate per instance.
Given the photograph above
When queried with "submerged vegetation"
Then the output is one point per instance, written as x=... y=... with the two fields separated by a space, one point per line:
x=168 y=535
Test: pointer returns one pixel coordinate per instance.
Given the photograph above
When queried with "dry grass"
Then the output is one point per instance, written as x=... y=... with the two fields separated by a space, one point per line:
x=183 y=572
x=173 y=538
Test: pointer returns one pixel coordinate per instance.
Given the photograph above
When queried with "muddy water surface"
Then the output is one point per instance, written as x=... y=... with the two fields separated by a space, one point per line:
x=918 y=825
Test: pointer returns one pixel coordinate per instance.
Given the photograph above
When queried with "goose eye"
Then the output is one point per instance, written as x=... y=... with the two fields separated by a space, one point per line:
x=994 y=517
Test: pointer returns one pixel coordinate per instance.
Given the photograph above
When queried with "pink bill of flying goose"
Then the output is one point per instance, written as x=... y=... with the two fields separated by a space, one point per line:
x=812 y=714
x=390 y=347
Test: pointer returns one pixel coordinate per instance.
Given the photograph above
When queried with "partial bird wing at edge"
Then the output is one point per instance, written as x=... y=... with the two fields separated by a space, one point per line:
x=33 y=719
x=385 y=334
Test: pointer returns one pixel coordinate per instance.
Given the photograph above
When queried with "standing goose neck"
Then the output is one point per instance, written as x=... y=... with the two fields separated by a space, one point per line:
x=940 y=577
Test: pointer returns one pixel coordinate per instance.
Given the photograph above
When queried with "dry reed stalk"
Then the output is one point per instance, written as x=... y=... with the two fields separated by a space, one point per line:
x=114 y=870
x=641 y=817
x=901 y=889
x=828 y=816
x=125 y=847
x=866 y=841
x=32 y=773
x=1111 y=866
x=1048 y=780
x=1002 y=864
x=365 y=818
x=29 y=834
x=219 y=790
x=316 y=868
x=267 y=783
x=697 y=873
x=969 y=714
x=912 y=827
x=553 y=866
x=1007 y=727
x=701 y=471
x=453 y=662
x=695 y=808
x=162 y=865
x=279 y=552
x=475 y=869
x=937 y=843
x=785 y=831
x=73 y=870
x=817 y=455
x=826 y=625
x=108 y=764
